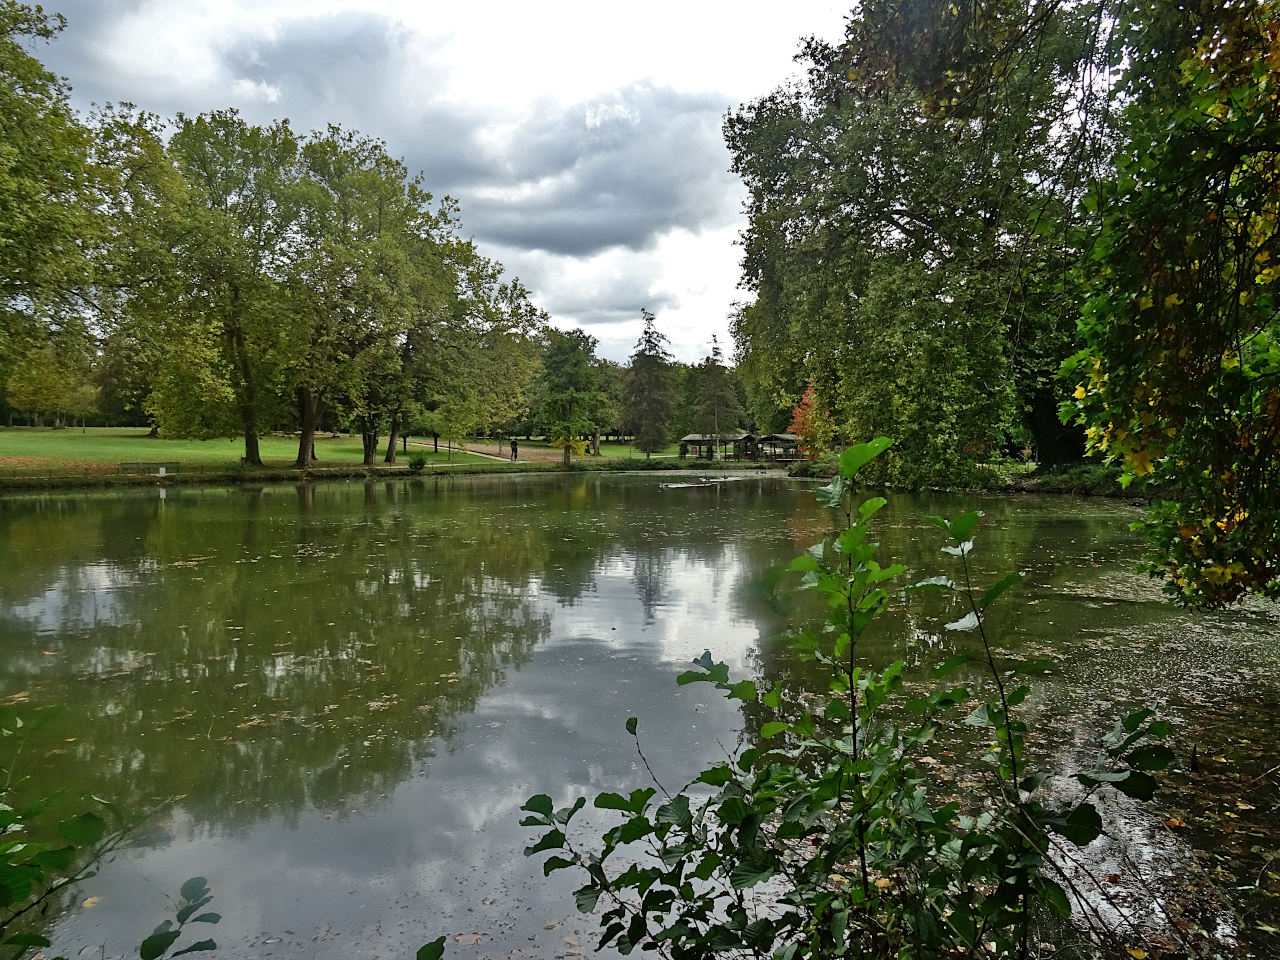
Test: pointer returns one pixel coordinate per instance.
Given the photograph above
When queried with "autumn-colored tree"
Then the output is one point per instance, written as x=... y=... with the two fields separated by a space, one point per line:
x=811 y=422
x=1179 y=381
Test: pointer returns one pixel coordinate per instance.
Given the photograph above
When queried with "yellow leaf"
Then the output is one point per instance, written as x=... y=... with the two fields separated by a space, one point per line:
x=91 y=902
x=1138 y=953
x=1172 y=300
x=884 y=883
x=1080 y=391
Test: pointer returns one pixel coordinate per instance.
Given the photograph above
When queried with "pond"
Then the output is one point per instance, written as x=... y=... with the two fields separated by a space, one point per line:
x=330 y=700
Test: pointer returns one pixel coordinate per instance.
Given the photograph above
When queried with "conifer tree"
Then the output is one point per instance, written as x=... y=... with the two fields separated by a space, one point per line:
x=649 y=391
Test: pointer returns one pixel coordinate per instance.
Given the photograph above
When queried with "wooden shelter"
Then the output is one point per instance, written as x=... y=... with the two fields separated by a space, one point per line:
x=703 y=445
x=783 y=447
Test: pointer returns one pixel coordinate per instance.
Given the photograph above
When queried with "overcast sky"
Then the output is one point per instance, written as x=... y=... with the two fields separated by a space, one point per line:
x=582 y=140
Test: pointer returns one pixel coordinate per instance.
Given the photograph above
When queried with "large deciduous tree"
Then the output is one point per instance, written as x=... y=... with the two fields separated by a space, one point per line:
x=48 y=220
x=649 y=389
x=1179 y=380
x=571 y=397
x=230 y=335
x=900 y=218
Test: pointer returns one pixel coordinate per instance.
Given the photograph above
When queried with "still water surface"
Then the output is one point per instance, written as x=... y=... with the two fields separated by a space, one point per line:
x=335 y=697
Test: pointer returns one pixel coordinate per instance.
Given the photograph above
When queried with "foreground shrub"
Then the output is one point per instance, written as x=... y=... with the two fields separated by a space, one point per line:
x=827 y=840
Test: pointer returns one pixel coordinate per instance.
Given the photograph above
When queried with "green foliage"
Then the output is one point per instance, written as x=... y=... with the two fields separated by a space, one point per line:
x=1179 y=381
x=825 y=839
x=48 y=221
x=40 y=854
x=417 y=461
x=909 y=206
x=193 y=897
x=716 y=409
x=571 y=399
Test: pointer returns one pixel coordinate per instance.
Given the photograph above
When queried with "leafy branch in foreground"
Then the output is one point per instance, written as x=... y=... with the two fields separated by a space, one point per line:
x=38 y=856
x=826 y=841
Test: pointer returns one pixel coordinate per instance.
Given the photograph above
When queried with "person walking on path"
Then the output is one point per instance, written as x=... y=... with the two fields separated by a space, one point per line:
x=515 y=448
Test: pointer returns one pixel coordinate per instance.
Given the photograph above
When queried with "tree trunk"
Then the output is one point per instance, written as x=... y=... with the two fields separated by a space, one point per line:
x=309 y=414
x=242 y=384
x=435 y=443
x=595 y=443
x=251 y=454
x=392 y=437
x=369 y=436
x=568 y=446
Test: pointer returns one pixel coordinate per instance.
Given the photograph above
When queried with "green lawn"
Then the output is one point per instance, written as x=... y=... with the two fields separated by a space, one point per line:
x=27 y=450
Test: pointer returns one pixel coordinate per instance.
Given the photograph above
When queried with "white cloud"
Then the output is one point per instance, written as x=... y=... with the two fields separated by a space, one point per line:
x=582 y=139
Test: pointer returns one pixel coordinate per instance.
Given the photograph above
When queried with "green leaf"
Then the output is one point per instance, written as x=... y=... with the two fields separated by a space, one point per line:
x=1053 y=896
x=1134 y=720
x=566 y=814
x=197 y=947
x=156 y=944
x=1152 y=757
x=773 y=728
x=871 y=507
x=1000 y=587
x=745 y=690
x=962 y=527
x=27 y=940
x=58 y=859
x=1033 y=781
x=611 y=801
x=632 y=723
x=552 y=840
x=553 y=864
x=953 y=662
x=748 y=874
x=676 y=811
x=431 y=951
x=716 y=776
x=84 y=830
x=208 y=918
x=586 y=898
x=856 y=457
x=540 y=804
x=1018 y=694
x=186 y=912
x=1139 y=785
x=774 y=697
x=803 y=564
x=195 y=888
x=1082 y=826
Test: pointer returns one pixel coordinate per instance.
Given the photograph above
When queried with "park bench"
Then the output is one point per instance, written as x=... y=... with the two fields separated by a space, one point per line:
x=154 y=469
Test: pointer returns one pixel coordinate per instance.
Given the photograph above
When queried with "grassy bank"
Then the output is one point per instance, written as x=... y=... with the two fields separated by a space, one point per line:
x=35 y=459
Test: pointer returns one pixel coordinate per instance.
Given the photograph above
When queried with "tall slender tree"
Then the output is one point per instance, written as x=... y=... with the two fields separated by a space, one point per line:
x=716 y=412
x=649 y=389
